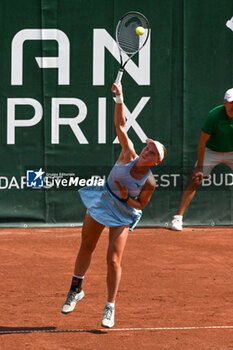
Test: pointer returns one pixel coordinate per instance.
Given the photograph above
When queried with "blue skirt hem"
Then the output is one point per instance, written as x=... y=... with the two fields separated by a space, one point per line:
x=103 y=207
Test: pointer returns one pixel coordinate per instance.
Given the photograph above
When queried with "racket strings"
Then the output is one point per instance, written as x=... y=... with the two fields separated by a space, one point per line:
x=128 y=40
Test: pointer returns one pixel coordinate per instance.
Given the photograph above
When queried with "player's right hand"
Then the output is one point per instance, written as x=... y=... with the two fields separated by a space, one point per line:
x=117 y=88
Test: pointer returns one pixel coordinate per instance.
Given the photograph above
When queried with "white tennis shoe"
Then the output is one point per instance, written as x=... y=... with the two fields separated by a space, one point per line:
x=108 y=317
x=177 y=223
x=71 y=300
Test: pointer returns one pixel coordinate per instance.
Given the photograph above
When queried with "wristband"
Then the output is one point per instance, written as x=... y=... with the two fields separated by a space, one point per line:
x=125 y=199
x=119 y=99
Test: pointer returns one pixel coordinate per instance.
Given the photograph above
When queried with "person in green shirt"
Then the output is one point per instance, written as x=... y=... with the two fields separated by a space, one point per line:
x=215 y=146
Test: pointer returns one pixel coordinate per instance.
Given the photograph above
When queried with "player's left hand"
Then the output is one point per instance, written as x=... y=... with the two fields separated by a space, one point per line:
x=123 y=189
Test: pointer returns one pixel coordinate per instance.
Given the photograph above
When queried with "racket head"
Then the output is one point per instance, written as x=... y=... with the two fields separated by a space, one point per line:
x=127 y=39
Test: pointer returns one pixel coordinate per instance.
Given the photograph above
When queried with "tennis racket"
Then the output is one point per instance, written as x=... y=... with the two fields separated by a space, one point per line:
x=127 y=39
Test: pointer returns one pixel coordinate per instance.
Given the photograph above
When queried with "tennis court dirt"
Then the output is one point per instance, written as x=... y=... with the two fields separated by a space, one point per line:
x=173 y=285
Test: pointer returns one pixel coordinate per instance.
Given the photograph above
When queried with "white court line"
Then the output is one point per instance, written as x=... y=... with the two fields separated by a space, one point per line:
x=103 y=330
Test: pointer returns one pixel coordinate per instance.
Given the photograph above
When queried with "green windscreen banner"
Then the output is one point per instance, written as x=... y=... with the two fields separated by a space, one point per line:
x=58 y=62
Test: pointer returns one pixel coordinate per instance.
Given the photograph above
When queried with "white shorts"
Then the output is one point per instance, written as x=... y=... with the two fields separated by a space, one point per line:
x=212 y=158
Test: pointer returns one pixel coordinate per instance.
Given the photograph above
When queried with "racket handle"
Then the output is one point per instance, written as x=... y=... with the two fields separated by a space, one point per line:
x=119 y=77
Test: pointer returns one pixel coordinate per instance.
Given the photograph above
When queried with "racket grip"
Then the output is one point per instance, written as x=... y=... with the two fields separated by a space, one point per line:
x=119 y=77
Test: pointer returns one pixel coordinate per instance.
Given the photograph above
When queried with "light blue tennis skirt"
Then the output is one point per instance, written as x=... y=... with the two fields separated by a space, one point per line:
x=106 y=209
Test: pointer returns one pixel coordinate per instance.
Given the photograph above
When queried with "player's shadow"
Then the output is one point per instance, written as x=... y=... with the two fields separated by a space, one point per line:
x=24 y=330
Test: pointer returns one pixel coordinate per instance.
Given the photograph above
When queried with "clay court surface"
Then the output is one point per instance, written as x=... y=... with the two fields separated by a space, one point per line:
x=176 y=291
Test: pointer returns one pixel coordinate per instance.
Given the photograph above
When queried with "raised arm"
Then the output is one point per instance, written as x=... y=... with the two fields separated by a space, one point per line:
x=128 y=150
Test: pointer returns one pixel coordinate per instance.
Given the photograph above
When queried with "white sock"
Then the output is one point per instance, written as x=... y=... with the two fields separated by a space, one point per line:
x=80 y=277
x=110 y=304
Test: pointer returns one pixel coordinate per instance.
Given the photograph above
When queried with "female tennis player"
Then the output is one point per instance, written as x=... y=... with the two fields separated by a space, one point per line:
x=118 y=204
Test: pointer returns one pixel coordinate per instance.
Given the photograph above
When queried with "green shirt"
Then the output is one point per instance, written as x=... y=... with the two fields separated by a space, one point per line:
x=220 y=128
